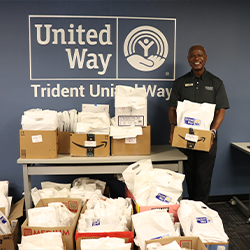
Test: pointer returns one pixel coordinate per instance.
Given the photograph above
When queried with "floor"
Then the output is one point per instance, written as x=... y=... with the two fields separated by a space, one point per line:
x=234 y=225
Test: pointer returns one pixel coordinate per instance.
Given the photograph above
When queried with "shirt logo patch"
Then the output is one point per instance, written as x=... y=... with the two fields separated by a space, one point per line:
x=210 y=88
x=189 y=84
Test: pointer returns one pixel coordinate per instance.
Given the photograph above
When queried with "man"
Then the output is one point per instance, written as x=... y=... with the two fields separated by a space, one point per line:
x=199 y=86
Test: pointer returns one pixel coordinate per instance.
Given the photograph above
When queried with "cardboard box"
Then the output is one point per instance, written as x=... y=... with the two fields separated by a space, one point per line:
x=140 y=145
x=126 y=116
x=10 y=241
x=127 y=235
x=68 y=233
x=89 y=145
x=38 y=144
x=200 y=140
x=64 y=142
x=170 y=208
x=194 y=243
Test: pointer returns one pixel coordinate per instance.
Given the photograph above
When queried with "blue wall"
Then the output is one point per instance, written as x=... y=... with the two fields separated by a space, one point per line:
x=220 y=26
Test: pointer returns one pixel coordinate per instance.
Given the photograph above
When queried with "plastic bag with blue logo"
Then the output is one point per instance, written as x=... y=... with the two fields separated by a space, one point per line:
x=166 y=187
x=197 y=219
x=195 y=115
x=152 y=224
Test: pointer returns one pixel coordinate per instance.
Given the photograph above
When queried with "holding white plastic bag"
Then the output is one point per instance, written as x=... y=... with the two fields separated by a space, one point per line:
x=195 y=115
x=199 y=220
x=152 y=224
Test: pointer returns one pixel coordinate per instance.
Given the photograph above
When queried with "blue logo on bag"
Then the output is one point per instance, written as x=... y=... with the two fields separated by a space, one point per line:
x=203 y=220
x=192 y=121
x=161 y=237
x=163 y=198
x=96 y=222
x=2 y=219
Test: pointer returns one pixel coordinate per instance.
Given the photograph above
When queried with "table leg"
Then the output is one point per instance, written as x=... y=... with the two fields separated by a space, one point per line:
x=27 y=188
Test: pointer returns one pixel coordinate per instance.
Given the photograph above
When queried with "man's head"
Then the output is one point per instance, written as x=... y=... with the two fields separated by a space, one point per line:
x=197 y=58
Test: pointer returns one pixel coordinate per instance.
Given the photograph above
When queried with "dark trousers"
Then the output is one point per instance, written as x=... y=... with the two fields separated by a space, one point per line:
x=198 y=170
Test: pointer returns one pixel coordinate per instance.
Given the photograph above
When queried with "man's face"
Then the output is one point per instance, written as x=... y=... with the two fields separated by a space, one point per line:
x=197 y=58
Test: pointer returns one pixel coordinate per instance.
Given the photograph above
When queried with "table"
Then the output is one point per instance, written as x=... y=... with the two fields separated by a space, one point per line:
x=242 y=146
x=162 y=156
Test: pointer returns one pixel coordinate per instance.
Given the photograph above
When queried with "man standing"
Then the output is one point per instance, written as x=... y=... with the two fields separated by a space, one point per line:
x=199 y=86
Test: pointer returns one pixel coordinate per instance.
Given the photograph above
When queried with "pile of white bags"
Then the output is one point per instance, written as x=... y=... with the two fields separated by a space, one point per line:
x=108 y=215
x=67 y=120
x=56 y=214
x=38 y=119
x=197 y=219
x=195 y=115
x=93 y=123
x=153 y=224
x=45 y=241
x=153 y=186
x=82 y=188
x=105 y=243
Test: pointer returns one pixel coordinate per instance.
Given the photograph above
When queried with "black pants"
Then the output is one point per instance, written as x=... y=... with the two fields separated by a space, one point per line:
x=198 y=170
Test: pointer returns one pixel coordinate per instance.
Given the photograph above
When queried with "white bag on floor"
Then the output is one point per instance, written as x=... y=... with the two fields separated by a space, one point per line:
x=152 y=224
x=134 y=169
x=197 y=219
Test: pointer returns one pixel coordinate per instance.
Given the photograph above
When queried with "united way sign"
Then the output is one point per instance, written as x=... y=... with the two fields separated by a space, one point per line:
x=101 y=48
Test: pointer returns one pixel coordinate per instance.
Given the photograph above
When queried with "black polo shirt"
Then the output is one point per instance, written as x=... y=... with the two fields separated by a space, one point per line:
x=206 y=88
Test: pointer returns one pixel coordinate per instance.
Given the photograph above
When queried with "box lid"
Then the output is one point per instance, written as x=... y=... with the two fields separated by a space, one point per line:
x=16 y=210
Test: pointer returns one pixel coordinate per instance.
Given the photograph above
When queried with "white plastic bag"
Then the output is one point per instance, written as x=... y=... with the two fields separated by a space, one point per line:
x=43 y=217
x=195 y=115
x=40 y=120
x=45 y=241
x=152 y=224
x=66 y=217
x=5 y=227
x=93 y=123
x=134 y=169
x=166 y=187
x=105 y=243
x=197 y=219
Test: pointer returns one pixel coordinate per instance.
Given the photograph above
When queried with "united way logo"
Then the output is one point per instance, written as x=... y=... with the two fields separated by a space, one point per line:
x=145 y=48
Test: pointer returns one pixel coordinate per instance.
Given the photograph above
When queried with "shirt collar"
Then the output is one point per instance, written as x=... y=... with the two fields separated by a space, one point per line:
x=201 y=77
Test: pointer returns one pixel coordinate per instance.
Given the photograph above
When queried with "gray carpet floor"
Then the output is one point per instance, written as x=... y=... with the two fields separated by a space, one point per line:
x=234 y=222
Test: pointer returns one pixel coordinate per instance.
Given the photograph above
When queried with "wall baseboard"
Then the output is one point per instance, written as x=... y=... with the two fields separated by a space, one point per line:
x=226 y=198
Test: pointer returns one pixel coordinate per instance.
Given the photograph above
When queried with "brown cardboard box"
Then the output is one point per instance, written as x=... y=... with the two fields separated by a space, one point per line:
x=10 y=241
x=68 y=233
x=180 y=139
x=64 y=142
x=141 y=145
x=127 y=235
x=89 y=145
x=38 y=144
x=194 y=243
